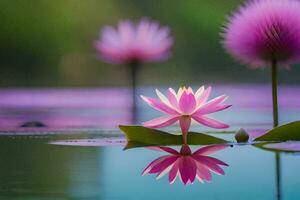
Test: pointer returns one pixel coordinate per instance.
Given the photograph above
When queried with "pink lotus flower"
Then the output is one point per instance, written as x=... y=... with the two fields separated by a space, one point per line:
x=134 y=43
x=184 y=106
x=187 y=165
x=262 y=31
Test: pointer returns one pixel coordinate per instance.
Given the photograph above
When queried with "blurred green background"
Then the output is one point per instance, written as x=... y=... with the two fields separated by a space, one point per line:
x=49 y=43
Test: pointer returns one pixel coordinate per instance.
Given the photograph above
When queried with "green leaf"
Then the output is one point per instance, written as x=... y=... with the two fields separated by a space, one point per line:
x=139 y=136
x=261 y=146
x=287 y=132
x=264 y=146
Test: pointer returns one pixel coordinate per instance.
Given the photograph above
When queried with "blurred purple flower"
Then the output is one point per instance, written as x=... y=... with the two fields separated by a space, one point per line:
x=187 y=165
x=262 y=31
x=130 y=43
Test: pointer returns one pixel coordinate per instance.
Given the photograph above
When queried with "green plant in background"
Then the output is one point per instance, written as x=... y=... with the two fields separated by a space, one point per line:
x=48 y=43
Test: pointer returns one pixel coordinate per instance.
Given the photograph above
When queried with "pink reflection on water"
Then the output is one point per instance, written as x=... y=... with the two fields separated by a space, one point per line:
x=256 y=96
x=186 y=165
x=64 y=108
x=107 y=108
x=255 y=133
x=64 y=98
x=57 y=122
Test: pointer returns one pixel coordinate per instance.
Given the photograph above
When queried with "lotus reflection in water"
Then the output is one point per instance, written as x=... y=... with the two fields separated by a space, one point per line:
x=187 y=165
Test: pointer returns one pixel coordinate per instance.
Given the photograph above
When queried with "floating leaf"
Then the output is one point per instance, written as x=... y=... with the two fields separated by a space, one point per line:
x=287 y=132
x=138 y=136
x=286 y=147
x=291 y=146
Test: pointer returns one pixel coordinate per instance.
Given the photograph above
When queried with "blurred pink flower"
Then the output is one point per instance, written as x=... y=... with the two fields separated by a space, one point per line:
x=130 y=43
x=262 y=31
x=187 y=165
x=184 y=106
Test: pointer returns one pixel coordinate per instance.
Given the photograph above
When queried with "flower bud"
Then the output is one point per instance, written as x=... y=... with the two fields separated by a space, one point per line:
x=241 y=136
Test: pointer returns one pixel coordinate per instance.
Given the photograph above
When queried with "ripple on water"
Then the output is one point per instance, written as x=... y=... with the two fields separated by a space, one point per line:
x=97 y=142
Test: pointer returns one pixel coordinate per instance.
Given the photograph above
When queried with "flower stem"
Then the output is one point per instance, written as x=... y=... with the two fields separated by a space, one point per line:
x=184 y=138
x=185 y=123
x=274 y=93
x=278 y=175
x=275 y=124
x=134 y=66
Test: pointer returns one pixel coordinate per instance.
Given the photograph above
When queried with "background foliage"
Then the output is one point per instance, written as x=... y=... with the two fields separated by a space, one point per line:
x=49 y=43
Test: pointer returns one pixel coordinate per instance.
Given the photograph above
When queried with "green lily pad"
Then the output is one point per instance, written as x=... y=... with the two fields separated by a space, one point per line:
x=287 y=132
x=139 y=136
x=281 y=147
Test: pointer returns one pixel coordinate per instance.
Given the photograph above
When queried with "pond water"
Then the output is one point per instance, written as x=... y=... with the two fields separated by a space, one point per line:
x=33 y=169
x=38 y=163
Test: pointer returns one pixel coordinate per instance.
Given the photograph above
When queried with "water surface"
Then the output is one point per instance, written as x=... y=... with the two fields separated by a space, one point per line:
x=33 y=169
